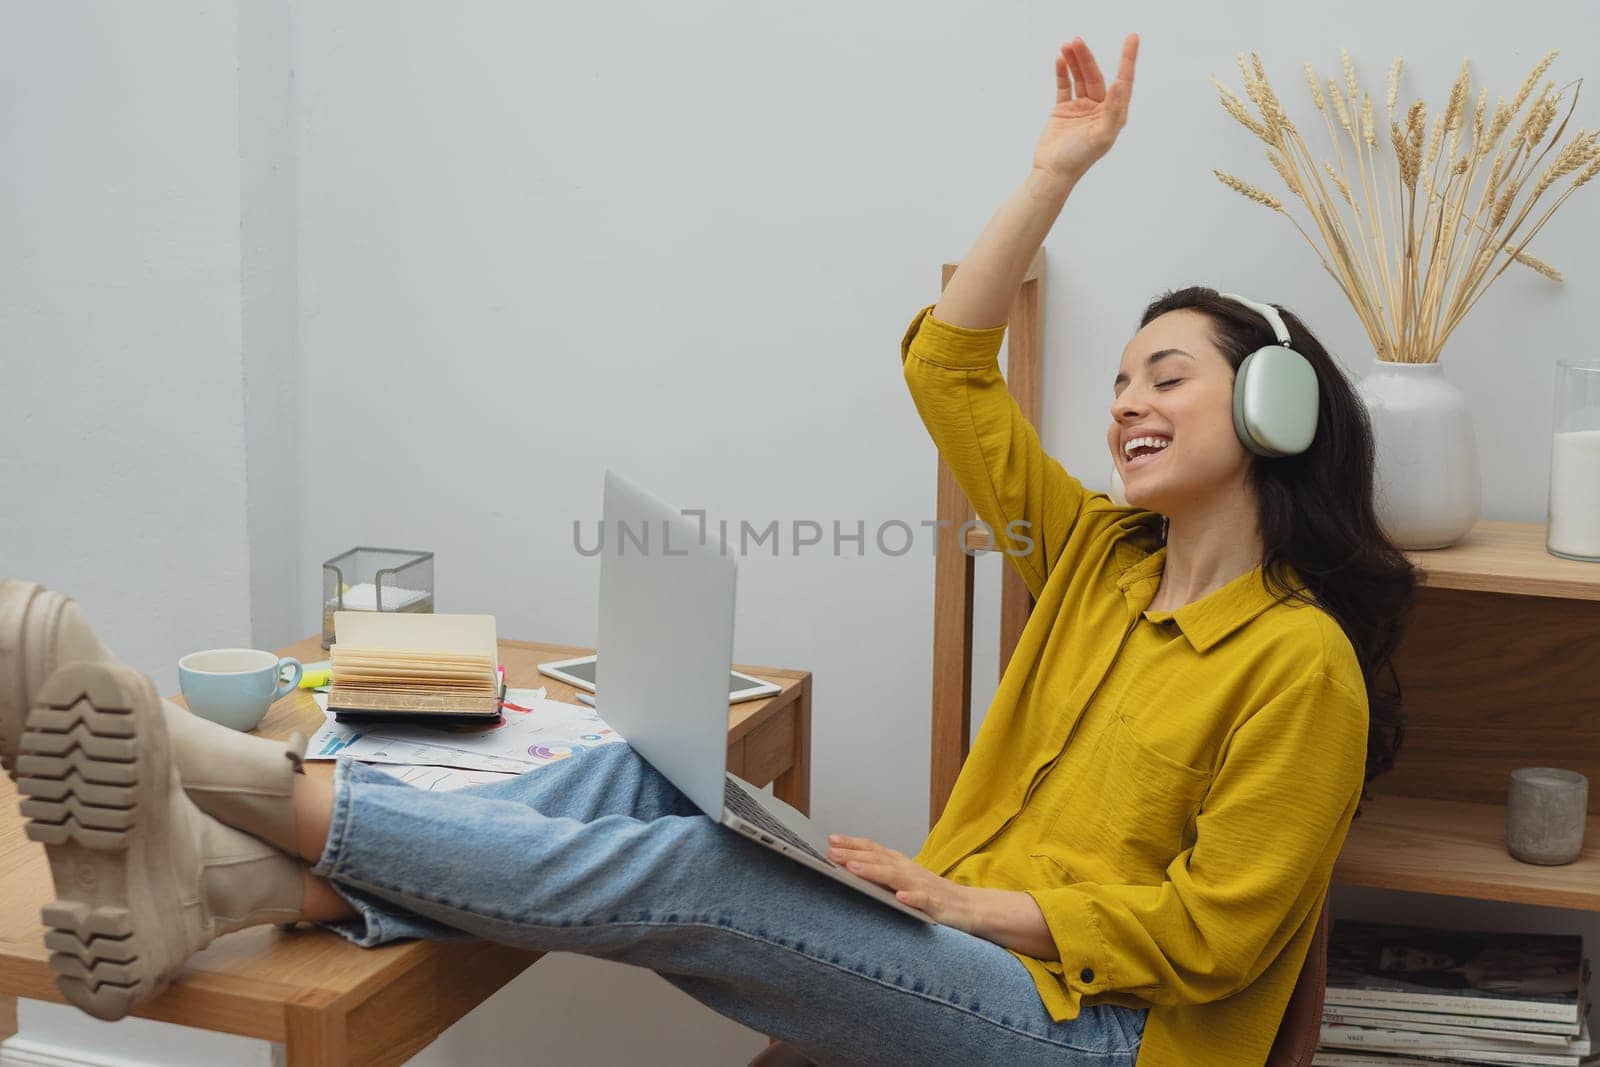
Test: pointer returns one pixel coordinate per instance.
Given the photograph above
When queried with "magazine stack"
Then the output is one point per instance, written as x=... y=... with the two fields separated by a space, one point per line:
x=1412 y=996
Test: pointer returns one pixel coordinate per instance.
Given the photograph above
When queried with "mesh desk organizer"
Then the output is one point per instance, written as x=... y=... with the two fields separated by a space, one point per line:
x=375 y=579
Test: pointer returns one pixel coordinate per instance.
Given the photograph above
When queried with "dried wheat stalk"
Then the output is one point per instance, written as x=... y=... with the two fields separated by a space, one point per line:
x=1405 y=224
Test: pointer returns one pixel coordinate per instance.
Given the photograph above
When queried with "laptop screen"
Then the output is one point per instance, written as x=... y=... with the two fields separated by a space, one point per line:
x=665 y=641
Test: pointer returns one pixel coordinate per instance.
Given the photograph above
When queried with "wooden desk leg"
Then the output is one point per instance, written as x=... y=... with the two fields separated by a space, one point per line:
x=793 y=786
x=8 y=1016
x=315 y=1036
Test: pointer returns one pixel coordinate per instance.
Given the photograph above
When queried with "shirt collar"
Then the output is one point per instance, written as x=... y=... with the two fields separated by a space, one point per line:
x=1214 y=616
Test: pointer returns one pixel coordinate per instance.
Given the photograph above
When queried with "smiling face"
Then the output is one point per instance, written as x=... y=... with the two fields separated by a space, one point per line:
x=1171 y=434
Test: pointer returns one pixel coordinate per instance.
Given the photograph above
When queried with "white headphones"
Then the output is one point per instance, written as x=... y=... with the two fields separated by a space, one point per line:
x=1274 y=392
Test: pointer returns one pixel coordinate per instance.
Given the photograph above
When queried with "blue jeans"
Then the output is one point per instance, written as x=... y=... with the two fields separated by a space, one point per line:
x=601 y=855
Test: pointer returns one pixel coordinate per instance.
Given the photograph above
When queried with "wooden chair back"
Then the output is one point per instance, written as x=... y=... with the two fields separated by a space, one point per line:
x=954 y=564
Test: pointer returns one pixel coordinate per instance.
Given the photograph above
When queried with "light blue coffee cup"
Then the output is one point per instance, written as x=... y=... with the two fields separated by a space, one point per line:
x=235 y=686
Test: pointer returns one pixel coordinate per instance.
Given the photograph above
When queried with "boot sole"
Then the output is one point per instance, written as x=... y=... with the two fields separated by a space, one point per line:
x=93 y=767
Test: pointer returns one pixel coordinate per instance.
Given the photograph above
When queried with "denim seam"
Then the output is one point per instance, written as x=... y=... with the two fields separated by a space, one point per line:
x=516 y=923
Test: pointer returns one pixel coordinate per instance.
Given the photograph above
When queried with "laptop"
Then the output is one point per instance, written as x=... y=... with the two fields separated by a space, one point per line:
x=661 y=678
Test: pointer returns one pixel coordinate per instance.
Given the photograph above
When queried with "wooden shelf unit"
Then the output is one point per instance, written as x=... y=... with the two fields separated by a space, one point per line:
x=1497 y=671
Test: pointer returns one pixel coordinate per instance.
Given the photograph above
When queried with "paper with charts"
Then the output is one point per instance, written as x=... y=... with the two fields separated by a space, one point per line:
x=535 y=732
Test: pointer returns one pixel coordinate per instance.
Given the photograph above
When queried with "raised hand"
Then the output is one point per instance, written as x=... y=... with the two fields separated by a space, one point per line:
x=1088 y=115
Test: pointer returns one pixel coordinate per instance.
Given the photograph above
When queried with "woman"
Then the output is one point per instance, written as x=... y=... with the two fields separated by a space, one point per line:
x=1180 y=741
x=1145 y=893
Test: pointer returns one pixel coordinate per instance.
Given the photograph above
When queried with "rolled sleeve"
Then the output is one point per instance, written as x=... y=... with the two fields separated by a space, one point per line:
x=1085 y=965
x=953 y=347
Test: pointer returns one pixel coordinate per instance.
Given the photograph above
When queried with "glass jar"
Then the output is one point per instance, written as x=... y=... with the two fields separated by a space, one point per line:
x=1574 y=516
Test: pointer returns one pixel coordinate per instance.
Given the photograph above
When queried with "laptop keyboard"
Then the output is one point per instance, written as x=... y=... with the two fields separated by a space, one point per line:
x=738 y=802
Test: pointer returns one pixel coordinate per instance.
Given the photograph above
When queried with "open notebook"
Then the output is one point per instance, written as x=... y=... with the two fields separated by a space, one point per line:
x=402 y=666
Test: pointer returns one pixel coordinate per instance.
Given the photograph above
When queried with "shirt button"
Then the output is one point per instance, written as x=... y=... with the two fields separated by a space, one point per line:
x=1087 y=974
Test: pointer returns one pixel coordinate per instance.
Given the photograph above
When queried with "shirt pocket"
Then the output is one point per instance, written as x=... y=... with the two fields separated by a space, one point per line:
x=1129 y=813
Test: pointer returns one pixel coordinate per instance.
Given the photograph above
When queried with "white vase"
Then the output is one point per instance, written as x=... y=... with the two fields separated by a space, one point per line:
x=1426 y=486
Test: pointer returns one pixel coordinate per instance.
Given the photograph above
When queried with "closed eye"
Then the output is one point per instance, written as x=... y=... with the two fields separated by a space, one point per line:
x=1169 y=381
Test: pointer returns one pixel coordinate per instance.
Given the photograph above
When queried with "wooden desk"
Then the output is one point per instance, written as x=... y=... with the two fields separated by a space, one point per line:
x=326 y=1000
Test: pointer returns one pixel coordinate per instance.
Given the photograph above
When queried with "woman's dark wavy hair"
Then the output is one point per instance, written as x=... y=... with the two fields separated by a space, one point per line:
x=1316 y=512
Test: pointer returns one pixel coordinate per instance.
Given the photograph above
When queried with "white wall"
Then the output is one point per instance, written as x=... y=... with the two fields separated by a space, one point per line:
x=122 y=444
x=485 y=251
x=269 y=319
x=122 y=453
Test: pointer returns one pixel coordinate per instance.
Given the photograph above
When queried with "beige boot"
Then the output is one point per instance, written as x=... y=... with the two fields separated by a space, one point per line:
x=144 y=878
x=245 y=781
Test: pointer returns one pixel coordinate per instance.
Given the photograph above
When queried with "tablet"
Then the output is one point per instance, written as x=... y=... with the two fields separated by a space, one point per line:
x=580 y=673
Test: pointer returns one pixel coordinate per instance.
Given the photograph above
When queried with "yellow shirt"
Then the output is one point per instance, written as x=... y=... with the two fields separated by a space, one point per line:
x=1171 y=787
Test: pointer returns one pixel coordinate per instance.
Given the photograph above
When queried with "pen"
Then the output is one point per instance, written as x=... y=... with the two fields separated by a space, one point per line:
x=586 y=698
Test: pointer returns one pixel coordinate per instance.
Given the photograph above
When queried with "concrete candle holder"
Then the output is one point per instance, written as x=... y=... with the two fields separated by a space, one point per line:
x=1546 y=814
